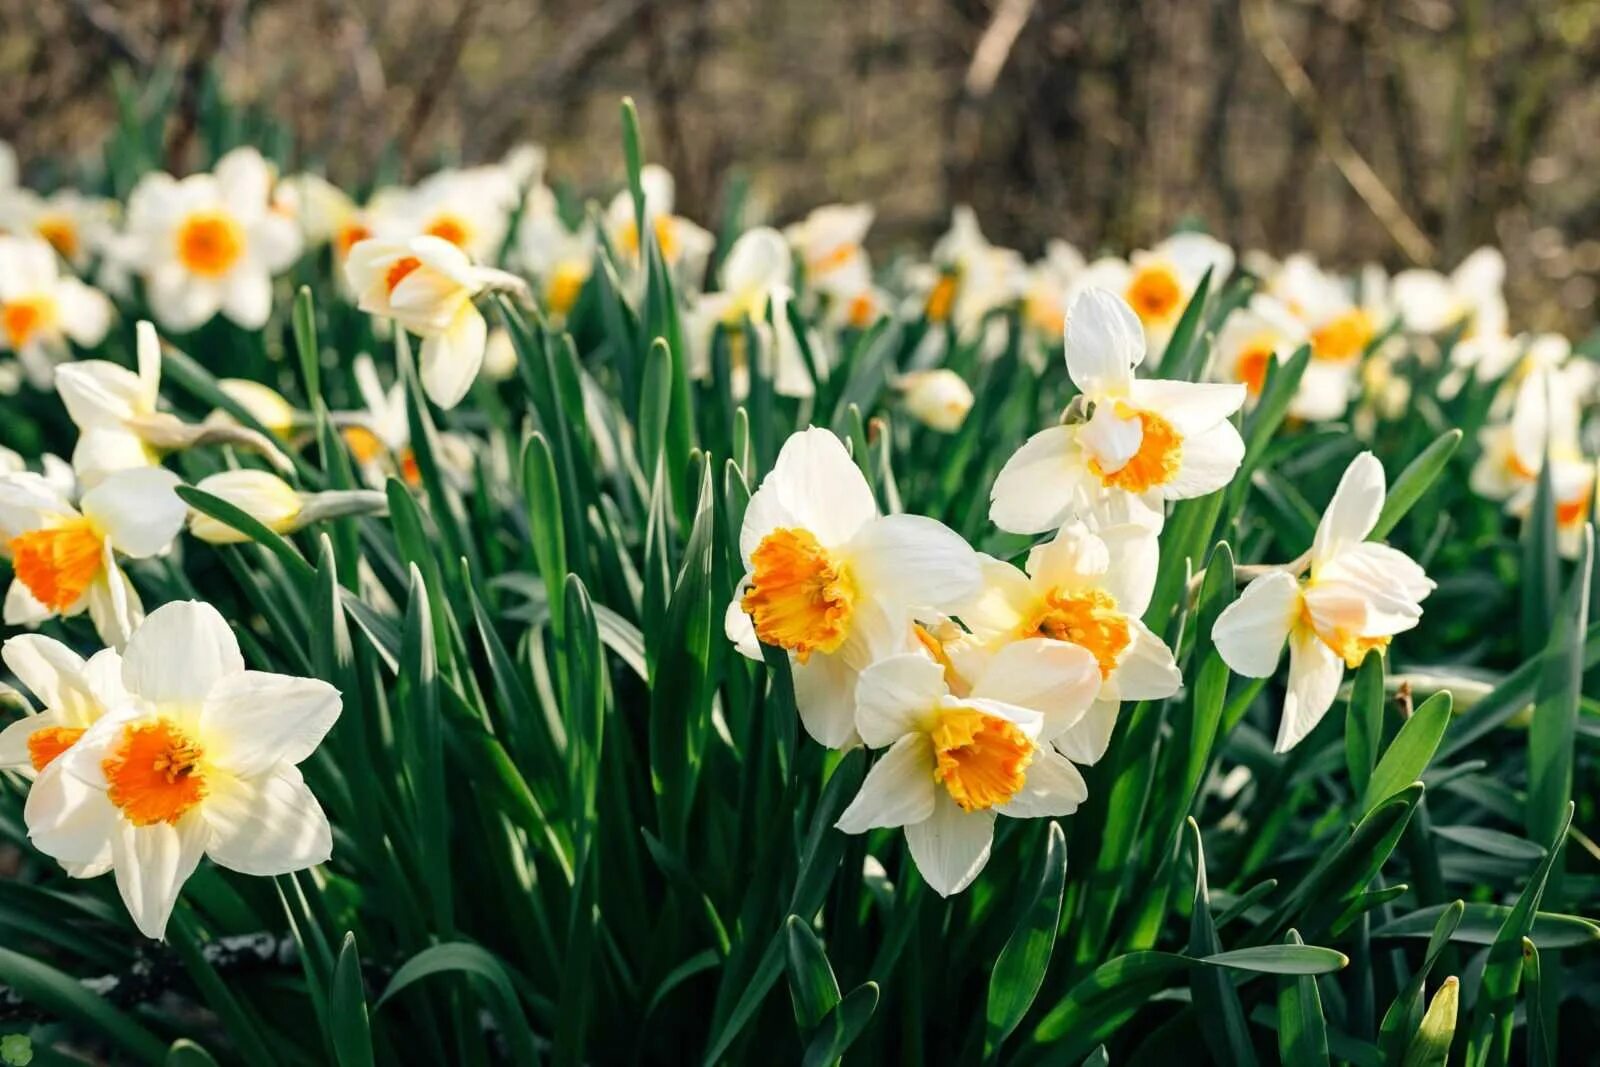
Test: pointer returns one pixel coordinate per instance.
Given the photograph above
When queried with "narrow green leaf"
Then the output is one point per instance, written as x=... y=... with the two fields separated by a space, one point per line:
x=841 y=1026
x=1302 y=1032
x=1407 y=757
x=812 y=986
x=1363 y=725
x=1020 y=970
x=1414 y=481
x=347 y=1009
x=1431 y=1045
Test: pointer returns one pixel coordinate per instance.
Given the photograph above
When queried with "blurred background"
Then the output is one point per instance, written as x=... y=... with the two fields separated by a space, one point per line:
x=1396 y=131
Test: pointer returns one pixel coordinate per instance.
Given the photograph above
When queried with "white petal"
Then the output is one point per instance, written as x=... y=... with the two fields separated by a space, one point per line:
x=894 y=695
x=913 y=562
x=1353 y=511
x=1250 y=632
x=22 y=608
x=247 y=298
x=899 y=789
x=1208 y=461
x=1088 y=740
x=137 y=510
x=252 y=721
x=1053 y=678
x=758 y=262
x=1315 y=672
x=825 y=697
x=1052 y=787
x=951 y=846
x=1104 y=342
x=451 y=360
x=268 y=825
x=52 y=671
x=113 y=603
x=1191 y=407
x=97 y=392
x=1040 y=484
x=1002 y=605
x=152 y=863
x=1111 y=437
x=68 y=819
x=180 y=654
x=14 y=754
x=1146 y=670
x=104 y=451
x=814 y=485
x=741 y=629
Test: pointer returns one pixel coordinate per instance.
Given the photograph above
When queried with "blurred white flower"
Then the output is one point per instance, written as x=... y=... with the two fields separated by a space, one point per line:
x=41 y=309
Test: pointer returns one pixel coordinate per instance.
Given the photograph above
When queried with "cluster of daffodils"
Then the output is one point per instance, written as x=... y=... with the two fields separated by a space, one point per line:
x=144 y=762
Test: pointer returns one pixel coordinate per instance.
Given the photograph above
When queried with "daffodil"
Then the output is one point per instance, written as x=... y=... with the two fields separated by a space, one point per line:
x=120 y=425
x=756 y=275
x=73 y=693
x=685 y=246
x=469 y=208
x=427 y=285
x=65 y=557
x=1338 y=329
x=1087 y=588
x=833 y=583
x=559 y=259
x=938 y=398
x=211 y=242
x=953 y=763
x=261 y=402
x=1159 y=283
x=968 y=278
x=76 y=226
x=201 y=760
x=1543 y=420
x=828 y=243
x=41 y=310
x=1572 y=487
x=1129 y=444
x=1355 y=597
x=1052 y=283
x=1252 y=340
x=379 y=435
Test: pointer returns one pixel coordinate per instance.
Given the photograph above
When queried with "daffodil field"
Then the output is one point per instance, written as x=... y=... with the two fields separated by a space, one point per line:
x=463 y=622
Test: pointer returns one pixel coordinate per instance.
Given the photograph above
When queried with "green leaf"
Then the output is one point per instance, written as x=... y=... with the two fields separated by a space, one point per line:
x=37 y=983
x=347 y=1009
x=1363 y=724
x=1020 y=970
x=812 y=986
x=1414 y=481
x=1405 y=1012
x=183 y=1053
x=1302 y=1033
x=1493 y=842
x=1100 y=1003
x=1552 y=733
x=461 y=957
x=305 y=343
x=842 y=1025
x=1431 y=1045
x=1183 y=359
x=1540 y=1052
x=1408 y=755
x=1481 y=924
x=231 y=515
x=1216 y=1001
x=1280 y=959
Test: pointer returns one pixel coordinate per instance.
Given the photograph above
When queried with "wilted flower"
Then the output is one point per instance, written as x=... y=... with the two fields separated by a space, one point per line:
x=1357 y=595
x=199 y=761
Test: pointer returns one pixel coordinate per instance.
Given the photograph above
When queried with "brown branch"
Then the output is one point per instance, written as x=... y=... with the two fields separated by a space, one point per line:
x=440 y=75
x=1362 y=178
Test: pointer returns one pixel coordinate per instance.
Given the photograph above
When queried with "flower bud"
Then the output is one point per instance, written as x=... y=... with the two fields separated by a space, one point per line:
x=937 y=398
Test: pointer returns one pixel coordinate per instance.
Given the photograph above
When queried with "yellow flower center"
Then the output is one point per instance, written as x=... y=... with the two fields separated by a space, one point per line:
x=362 y=443
x=24 y=319
x=1251 y=366
x=1573 y=512
x=46 y=744
x=666 y=237
x=1343 y=338
x=58 y=563
x=1154 y=293
x=1046 y=315
x=210 y=243
x=155 y=773
x=838 y=256
x=863 y=311
x=979 y=759
x=943 y=298
x=61 y=233
x=800 y=598
x=564 y=287
x=1155 y=463
x=1088 y=619
x=452 y=228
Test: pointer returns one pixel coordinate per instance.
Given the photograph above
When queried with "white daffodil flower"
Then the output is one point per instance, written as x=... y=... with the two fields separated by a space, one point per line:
x=1138 y=442
x=41 y=310
x=828 y=242
x=1088 y=588
x=1338 y=329
x=968 y=278
x=427 y=286
x=1051 y=285
x=685 y=246
x=77 y=227
x=1253 y=338
x=72 y=693
x=65 y=558
x=1544 y=418
x=559 y=260
x=1572 y=484
x=833 y=583
x=1159 y=283
x=469 y=208
x=756 y=274
x=1357 y=595
x=211 y=243
x=199 y=761
x=379 y=436
x=954 y=763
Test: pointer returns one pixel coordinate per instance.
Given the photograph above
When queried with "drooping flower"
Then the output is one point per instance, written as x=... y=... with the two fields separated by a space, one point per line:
x=1128 y=442
x=211 y=242
x=833 y=583
x=41 y=310
x=956 y=762
x=1087 y=588
x=427 y=285
x=65 y=558
x=199 y=761
x=1356 y=596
